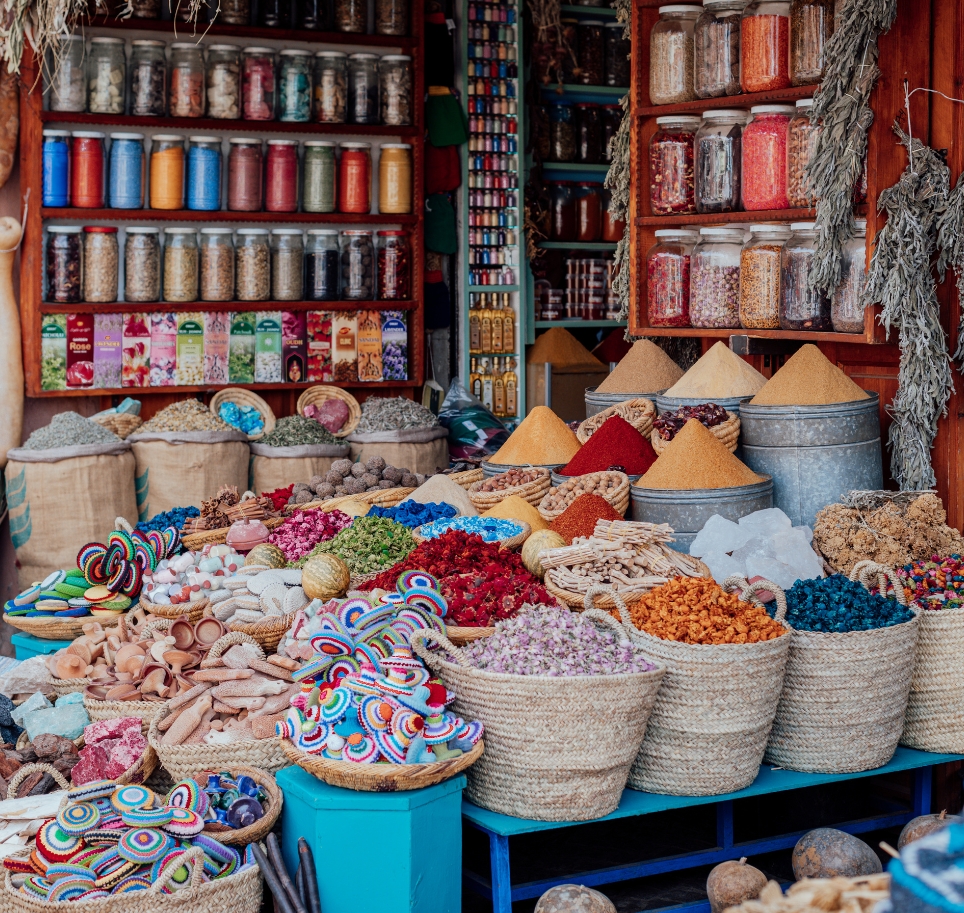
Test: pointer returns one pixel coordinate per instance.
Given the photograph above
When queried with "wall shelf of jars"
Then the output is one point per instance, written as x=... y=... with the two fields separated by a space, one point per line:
x=253 y=192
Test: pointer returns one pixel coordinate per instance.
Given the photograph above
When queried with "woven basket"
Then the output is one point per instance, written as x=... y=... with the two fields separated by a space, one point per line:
x=537 y=764
x=52 y=628
x=510 y=543
x=468 y=478
x=120 y=423
x=533 y=492
x=727 y=433
x=192 y=610
x=26 y=770
x=318 y=394
x=242 y=397
x=380 y=778
x=268 y=632
x=640 y=413
x=195 y=541
x=462 y=636
x=62 y=686
x=117 y=710
x=385 y=497
x=242 y=836
x=844 y=698
x=713 y=714
x=619 y=499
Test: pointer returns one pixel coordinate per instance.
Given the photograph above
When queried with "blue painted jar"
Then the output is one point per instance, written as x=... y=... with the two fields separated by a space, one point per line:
x=56 y=168
x=204 y=173
x=126 y=171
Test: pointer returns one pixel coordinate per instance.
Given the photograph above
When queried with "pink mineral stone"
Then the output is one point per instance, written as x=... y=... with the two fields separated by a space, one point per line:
x=332 y=414
x=93 y=763
x=126 y=753
x=110 y=729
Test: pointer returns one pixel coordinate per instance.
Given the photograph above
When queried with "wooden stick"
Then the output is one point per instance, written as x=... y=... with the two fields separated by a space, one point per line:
x=271 y=879
x=274 y=854
x=311 y=876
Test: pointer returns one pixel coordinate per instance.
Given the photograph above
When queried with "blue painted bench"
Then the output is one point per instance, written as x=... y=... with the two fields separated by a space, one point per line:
x=499 y=828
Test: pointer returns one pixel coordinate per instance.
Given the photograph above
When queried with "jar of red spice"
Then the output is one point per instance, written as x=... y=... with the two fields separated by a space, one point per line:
x=612 y=229
x=562 y=211
x=394 y=272
x=245 y=172
x=672 y=187
x=801 y=144
x=715 y=279
x=588 y=212
x=281 y=176
x=668 y=278
x=801 y=307
x=765 y=46
x=765 y=157
x=355 y=178
x=811 y=25
x=257 y=84
x=87 y=170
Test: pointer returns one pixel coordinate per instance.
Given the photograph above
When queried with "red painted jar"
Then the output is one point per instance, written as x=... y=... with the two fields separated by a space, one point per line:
x=87 y=171
x=281 y=176
x=355 y=178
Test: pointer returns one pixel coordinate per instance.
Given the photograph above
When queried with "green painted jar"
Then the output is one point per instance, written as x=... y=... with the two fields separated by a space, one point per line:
x=319 y=176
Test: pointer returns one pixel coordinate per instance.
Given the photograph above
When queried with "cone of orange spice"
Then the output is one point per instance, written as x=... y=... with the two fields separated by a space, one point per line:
x=696 y=610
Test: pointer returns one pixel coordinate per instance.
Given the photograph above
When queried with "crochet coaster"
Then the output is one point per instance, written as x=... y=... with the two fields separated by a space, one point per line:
x=68 y=889
x=127 y=798
x=35 y=886
x=147 y=817
x=96 y=789
x=112 y=879
x=187 y=794
x=55 y=845
x=184 y=823
x=132 y=883
x=76 y=818
x=144 y=845
x=60 y=870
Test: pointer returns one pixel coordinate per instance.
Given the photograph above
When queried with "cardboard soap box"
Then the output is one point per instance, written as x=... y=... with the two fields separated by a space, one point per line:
x=567 y=394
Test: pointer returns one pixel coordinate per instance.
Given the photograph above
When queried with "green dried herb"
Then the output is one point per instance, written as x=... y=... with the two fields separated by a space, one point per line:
x=296 y=431
x=369 y=545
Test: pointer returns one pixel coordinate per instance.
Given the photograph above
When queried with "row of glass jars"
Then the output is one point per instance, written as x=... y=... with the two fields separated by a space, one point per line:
x=580 y=211
x=727 y=47
x=78 y=173
x=231 y=83
x=600 y=53
x=722 y=278
x=580 y=133
x=252 y=264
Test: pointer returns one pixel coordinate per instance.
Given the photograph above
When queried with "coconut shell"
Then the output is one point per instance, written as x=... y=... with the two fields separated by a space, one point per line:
x=923 y=825
x=730 y=883
x=827 y=853
x=574 y=898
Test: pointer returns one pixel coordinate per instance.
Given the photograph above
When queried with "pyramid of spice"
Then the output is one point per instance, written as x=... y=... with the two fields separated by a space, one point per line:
x=543 y=439
x=695 y=458
x=646 y=368
x=719 y=373
x=579 y=518
x=564 y=352
x=808 y=378
x=615 y=444
x=516 y=508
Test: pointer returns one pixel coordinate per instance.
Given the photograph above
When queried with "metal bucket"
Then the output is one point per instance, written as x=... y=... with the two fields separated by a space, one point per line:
x=730 y=403
x=494 y=469
x=688 y=511
x=814 y=453
x=597 y=402
x=558 y=479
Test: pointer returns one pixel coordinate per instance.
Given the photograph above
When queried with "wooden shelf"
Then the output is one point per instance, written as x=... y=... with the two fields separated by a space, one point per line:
x=179 y=307
x=220 y=215
x=211 y=388
x=742 y=217
x=575 y=166
x=697 y=332
x=579 y=89
x=575 y=324
x=576 y=245
x=747 y=100
x=588 y=12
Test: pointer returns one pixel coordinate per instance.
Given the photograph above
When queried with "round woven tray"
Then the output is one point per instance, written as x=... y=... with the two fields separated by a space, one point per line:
x=120 y=423
x=242 y=836
x=380 y=778
x=727 y=433
x=241 y=397
x=619 y=499
x=318 y=394
x=193 y=610
x=268 y=632
x=640 y=413
x=533 y=492
x=52 y=628
x=511 y=542
x=462 y=636
x=195 y=541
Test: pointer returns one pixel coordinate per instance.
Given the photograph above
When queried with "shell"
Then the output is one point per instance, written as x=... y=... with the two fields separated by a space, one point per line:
x=262 y=581
x=730 y=883
x=539 y=541
x=273 y=598
x=295 y=599
x=267 y=554
x=923 y=825
x=325 y=577
x=826 y=853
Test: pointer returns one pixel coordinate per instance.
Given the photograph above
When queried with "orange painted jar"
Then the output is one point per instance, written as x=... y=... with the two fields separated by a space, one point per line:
x=167 y=172
x=395 y=178
x=355 y=178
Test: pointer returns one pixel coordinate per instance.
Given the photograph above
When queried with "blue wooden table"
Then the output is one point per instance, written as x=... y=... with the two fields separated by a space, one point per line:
x=499 y=828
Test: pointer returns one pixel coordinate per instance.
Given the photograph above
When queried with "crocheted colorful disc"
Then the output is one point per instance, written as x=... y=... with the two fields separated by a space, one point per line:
x=335 y=707
x=77 y=818
x=144 y=845
x=428 y=599
x=186 y=794
x=68 y=889
x=216 y=850
x=55 y=845
x=360 y=749
x=342 y=667
x=20 y=866
x=390 y=746
x=184 y=823
x=69 y=870
x=108 y=861
x=35 y=886
x=38 y=865
x=132 y=883
x=439 y=729
x=375 y=714
x=116 y=876
x=52 y=579
x=407 y=723
x=365 y=654
x=161 y=864
x=104 y=835
x=331 y=643
x=92 y=895
x=96 y=789
x=147 y=817
x=352 y=609
x=412 y=579
x=127 y=798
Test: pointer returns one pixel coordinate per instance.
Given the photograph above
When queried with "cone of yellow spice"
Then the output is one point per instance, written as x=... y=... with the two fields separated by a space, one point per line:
x=542 y=439
x=516 y=508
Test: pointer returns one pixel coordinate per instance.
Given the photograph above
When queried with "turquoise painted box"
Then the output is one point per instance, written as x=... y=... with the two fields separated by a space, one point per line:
x=377 y=852
x=26 y=646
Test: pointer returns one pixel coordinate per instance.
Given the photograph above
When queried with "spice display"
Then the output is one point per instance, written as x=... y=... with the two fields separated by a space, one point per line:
x=287 y=264
x=167 y=171
x=837 y=604
x=106 y=76
x=351 y=16
x=295 y=431
x=645 y=368
x=304 y=529
x=331 y=87
x=718 y=374
x=696 y=459
x=562 y=133
x=281 y=176
x=148 y=74
x=765 y=46
x=765 y=142
x=318 y=182
x=760 y=277
x=186 y=94
x=355 y=178
x=717 y=49
x=934 y=584
x=217 y=264
x=64 y=264
x=414 y=514
x=671 y=56
x=715 y=279
x=87 y=170
x=391 y=17
x=180 y=265
x=718 y=161
x=802 y=307
x=579 y=519
x=394 y=414
x=223 y=81
x=245 y=163
x=395 y=178
x=253 y=265
x=294 y=83
x=395 y=86
x=68 y=429
x=542 y=439
x=203 y=184
x=617 y=445
x=669 y=424
x=363 y=89
x=184 y=415
x=142 y=264
x=672 y=184
x=67 y=84
x=257 y=84
x=802 y=140
x=695 y=610
x=322 y=265
x=126 y=178
x=245 y=418
x=357 y=265
x=369 y=545
x=811 y=25
x=100 y=263
x=618 y=49
x=846 y=305
x=592 y=51
x=515 y=508
x=489 y=529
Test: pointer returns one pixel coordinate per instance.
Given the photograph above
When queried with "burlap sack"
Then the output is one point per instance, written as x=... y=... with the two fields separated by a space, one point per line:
x=184 y=468
x=424 y=450
x=277 y=467
x=62 y=499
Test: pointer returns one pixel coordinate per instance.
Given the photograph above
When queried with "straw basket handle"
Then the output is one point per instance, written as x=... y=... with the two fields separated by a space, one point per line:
x=606 y=620
x=121 y=523
x=420 y=639
x=589 y=602
x=193 y=857
x=29 y=769
x=863 y=573
x=232 y=639
x=748 y=593
x=159 y=624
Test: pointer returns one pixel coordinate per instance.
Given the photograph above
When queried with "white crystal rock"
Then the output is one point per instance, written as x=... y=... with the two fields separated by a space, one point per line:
x=722 y=566
x=773 y=570
x=719 y=535
x=767 y=522
x=754 y=549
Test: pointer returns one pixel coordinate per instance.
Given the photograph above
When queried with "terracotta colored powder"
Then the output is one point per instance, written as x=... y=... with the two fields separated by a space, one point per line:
x=616 y=443
x=695 y=458
x=579 y=518
x=646 y=368
x=808 y=378
x=718 y=373
x=563 y=351
x=543 y=439
x=516 y=508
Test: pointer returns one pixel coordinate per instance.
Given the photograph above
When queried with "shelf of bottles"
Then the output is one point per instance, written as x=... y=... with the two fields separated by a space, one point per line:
x=492 y=244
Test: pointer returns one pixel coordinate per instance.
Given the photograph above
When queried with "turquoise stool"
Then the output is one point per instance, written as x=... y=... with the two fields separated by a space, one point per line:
x=387 y=852
x=26 y=646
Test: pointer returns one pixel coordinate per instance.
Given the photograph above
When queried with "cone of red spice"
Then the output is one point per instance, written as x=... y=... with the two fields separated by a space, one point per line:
x=579 y=518
x=616 y=443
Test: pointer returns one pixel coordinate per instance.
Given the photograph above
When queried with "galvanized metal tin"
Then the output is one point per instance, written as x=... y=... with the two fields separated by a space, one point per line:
x=730 y=403
x=597 y=402
x=494 y=469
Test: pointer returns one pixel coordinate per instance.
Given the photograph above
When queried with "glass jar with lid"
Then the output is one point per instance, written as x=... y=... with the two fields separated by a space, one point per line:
x=294 y=78
x=258 y=85
x=715 y=279
x=355 y=178
x=245 y=174
x=180 y=264
x=671 y=55
x=148 y=78
x=287 y=264
x=65 y=71
x=588 y=134
x=672 y=184
x=217 y=264
x=588 y=211
x=281 y=176
x=145 y=9
x=64 y=264
x=811 y=25
x=761 y=270
x=322 y=265
x=167 y=172
x=187 y=79
x=204 y=173
x=351 y=16
x=317 y=15
x=618 y=48
x=592 y=52
x=318 y=180
x=363 y=101
x=87 y=169
x=235 y=12
x=719 y=160
x=106 y=76
x=801 y=307
x=765 y=142
x=252 y=264
x=801 y=144
x=846 y=306
x=394 y=251
x=274 y=14
x=391 y=17
x=395 y=89
x=223 y=82
x=611 y=116
x=357 y=265
x=126 y=171
x=56 y=168
x=331 y=87
x=395 y=178
x=562 y=211
x=612 y=228
x=100 y=263
x=562 y=133
x=142 y=264
x=668 y=278
x=717 y=43
x=765 y=46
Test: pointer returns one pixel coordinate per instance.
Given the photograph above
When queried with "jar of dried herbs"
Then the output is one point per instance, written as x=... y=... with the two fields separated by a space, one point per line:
x=562 y=133
x=719 y=160
x=592 y=52
x=760 y=277
x=391 y=17
x=318 y=169
x=253 y=264
x=715 y=279
x=100 y=263
x=180 y=264
x=811 y=25
x=148 y=76
x=142 y=264
x=64 y=264
x=217 y=264
x=801 y=307
x=671 y=55
x=717 y=49
x=331 y=87
x=668 y=277
x=351 y=16
x=287 y=264
x=357 y=265
x=801 y=144
x=672 y=185
x=846 y=308
x=66 y=73
x=322 y=265
x=106 y=69
x=223 y=78
x=395 y=88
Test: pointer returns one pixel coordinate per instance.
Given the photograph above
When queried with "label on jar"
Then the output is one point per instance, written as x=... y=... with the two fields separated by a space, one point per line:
x=241 y=345
x=394 y=346
x=344 y=347
x=163 y=349
x=267 y=348
x=53 y=352
x=108 y=343
x=190 y=349
x=294 y=349
x=319 y=346
x=217 y=326
x=80 y=351
x=136 y=362
x=369 y=346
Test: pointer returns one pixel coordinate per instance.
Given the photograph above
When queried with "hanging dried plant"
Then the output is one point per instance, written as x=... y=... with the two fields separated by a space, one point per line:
x=550 y=45
x=902 y=279
x=950 y=239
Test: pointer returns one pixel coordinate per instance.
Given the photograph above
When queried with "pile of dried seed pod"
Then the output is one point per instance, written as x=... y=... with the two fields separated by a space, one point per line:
x=348 y=478
x=259 y=592
x=604 y=484
x=511 y=479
